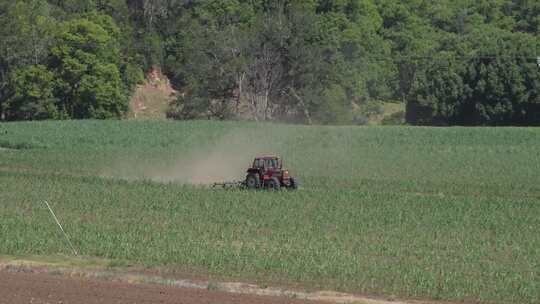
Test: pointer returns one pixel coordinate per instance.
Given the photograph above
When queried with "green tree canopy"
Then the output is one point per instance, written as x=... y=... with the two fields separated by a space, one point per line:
x=316 y=61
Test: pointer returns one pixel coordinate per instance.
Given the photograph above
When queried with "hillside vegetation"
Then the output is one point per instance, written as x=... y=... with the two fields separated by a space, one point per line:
x=429 y=213
x=453 y=62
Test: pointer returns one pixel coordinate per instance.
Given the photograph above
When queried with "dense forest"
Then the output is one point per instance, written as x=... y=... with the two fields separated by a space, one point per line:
x=452 y=62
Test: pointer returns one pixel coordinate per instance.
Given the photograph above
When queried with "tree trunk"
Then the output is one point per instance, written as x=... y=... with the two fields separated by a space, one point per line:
x=240 y=81
x=266 y=105
x=302 y=105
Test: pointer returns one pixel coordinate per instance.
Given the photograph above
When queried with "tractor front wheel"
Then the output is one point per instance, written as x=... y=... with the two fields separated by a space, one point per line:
x=274 y=184
x=253 y=181
x=294 y=184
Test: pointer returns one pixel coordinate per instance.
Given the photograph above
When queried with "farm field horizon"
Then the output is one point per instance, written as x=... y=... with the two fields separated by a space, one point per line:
x=448 y=214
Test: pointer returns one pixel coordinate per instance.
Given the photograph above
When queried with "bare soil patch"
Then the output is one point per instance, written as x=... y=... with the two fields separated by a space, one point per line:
x=35 y=282
x=40 y=288
x=151 y=99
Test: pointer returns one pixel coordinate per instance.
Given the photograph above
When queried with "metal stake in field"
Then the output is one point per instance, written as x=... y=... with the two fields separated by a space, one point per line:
x=65 y=234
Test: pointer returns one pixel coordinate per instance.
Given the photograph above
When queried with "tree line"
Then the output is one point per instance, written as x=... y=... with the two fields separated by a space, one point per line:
x=459 y=62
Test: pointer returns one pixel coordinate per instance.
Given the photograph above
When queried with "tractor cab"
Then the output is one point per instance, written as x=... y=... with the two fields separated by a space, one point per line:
x=267 y=163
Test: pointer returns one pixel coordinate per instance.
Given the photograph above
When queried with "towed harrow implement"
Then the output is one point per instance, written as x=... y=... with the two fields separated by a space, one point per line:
x=230 y=185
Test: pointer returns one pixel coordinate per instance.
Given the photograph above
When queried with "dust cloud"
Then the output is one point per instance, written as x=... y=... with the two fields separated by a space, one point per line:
x=224 y=160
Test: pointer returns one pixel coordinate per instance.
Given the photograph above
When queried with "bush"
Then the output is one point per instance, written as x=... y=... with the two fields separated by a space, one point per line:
x=397 y=118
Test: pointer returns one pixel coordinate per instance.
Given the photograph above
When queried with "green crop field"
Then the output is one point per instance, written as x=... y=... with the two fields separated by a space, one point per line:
x=429 y=213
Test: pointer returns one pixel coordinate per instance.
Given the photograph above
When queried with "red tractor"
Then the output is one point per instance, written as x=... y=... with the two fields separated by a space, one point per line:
x=267 y=173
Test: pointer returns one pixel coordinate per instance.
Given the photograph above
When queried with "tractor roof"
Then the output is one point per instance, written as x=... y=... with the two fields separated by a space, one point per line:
x=267 y=156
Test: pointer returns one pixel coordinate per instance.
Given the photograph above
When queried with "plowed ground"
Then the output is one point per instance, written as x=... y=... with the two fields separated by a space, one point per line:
x=18 y=288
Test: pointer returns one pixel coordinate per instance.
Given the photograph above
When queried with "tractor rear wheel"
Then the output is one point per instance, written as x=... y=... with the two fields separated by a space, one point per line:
x=274 y=184
x=253 y=181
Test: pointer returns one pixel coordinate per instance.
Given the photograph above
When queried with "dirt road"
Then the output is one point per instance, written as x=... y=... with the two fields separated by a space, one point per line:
x=34 y=288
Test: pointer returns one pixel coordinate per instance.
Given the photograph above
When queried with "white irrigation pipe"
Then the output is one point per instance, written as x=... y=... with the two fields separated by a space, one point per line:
x=65 y=234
